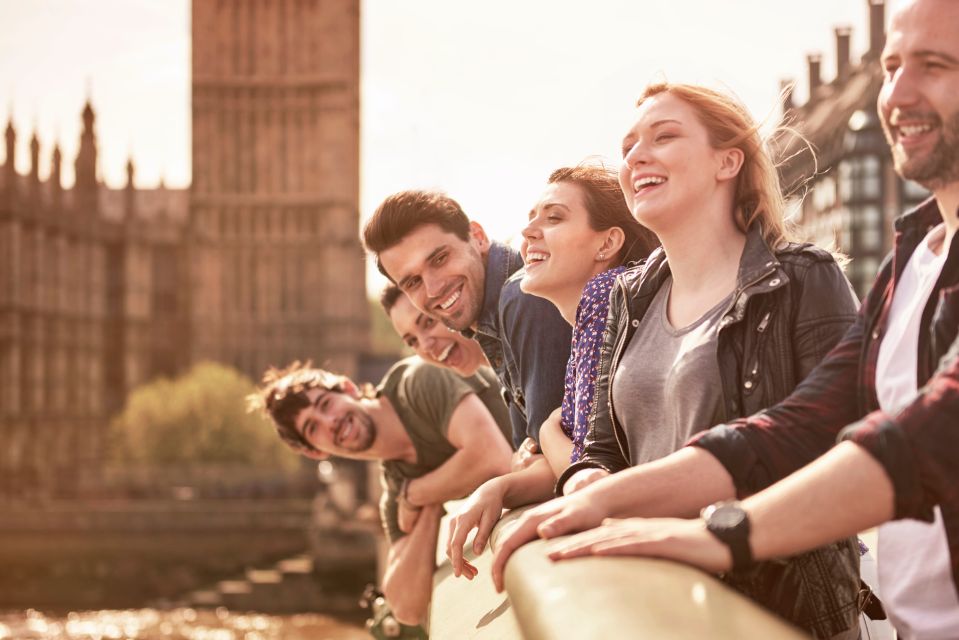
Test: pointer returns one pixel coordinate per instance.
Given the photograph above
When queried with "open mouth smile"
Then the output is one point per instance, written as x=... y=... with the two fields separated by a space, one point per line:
x=445 y=353
x=450 y=300
x=647 y=183
x=534 y=258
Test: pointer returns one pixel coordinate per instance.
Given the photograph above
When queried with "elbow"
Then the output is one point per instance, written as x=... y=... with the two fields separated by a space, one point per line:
x=407 y=606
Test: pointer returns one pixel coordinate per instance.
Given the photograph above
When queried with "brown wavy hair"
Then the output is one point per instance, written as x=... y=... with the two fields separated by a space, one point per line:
x=607 y=208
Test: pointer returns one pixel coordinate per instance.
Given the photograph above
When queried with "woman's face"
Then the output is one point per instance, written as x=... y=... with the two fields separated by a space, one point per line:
x=433 y=342
x=669 y=166
x=559 y=246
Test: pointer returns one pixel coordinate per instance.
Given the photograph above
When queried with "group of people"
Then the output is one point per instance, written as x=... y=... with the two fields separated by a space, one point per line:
x=669 y=373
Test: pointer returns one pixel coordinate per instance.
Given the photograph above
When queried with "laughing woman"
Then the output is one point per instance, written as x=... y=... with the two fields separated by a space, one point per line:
x=721 y=322
x=578 y=238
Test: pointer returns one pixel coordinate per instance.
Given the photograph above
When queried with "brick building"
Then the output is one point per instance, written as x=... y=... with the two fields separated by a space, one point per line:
x=257 y=263
x=852 y=192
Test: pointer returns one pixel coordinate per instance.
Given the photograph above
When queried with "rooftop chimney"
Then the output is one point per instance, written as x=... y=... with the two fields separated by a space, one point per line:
x=877 y=27
x=842 y=51
x=814 y=61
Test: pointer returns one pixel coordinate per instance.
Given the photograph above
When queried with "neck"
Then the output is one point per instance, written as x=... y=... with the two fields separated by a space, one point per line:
x=392 y=441
x=947 y=198
x=567 y=301
x=704 y=253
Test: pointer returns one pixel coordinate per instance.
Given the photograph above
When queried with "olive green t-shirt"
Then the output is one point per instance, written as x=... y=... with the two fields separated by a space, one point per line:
x=425 y=397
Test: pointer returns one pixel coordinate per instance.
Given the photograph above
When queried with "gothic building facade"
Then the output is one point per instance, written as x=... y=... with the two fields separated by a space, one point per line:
x=257 y=263
x=846 y=194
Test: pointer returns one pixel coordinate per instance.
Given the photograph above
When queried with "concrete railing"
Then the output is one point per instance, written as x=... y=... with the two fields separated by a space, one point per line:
x=591 y=598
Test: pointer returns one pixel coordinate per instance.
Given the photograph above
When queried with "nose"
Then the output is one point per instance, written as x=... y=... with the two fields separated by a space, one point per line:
x=433 y=285
x=531 y=231
x=635 y=155
x=900 y=89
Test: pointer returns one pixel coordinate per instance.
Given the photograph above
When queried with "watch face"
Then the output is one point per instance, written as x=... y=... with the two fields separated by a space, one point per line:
x=727 y=516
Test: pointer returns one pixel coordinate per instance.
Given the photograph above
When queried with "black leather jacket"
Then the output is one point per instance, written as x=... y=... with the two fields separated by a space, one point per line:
x=790 y=308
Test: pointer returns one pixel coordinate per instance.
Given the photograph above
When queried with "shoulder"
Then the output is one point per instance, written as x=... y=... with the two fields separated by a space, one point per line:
x=803 y=254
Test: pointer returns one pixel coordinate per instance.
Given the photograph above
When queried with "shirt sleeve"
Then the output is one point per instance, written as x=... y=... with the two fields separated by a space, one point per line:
x=433 y=393
x=919 y=447
x=538 y=339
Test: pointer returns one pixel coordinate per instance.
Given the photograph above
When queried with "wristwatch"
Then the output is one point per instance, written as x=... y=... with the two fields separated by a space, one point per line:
x=729 y=522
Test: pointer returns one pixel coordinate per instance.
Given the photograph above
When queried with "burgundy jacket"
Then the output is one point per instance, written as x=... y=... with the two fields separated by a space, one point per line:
x=919 y=447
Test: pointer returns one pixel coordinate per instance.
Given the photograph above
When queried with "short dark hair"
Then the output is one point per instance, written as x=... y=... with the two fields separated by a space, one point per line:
x=607 y=208
x=282 y=395
x=404 y=212
x=388 y=297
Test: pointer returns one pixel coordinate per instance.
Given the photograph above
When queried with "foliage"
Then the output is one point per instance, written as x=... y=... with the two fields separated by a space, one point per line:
x=196 y=419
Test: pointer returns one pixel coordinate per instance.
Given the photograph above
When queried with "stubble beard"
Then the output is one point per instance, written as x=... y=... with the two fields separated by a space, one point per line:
x=937 y=168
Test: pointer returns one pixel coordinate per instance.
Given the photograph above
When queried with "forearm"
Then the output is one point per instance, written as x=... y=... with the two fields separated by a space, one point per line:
x=840 y=494
x=555 y=445
x=532 y=484
x=408 y=579
x=461 y=474
x=678 y=485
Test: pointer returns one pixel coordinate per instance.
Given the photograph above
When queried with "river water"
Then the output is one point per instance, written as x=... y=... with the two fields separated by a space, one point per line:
x=173 y=624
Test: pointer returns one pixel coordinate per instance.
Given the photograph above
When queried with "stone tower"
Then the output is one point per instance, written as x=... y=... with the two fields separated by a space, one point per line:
x=277 y=271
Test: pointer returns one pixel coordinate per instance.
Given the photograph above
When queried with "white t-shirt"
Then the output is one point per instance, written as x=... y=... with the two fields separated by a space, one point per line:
x=915 y=574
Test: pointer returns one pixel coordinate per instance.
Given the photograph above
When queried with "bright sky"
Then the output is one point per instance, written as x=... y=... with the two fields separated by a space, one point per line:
x=482 y=100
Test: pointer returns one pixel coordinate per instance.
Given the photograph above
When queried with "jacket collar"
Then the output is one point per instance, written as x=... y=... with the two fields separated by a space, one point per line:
x=920 y=219
x=501 y=263
x=756 y=265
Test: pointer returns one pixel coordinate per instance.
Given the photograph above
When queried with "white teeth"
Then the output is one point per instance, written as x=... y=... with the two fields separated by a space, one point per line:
x=647 y=181
x=445 y=353
x=535 y=256
x=346 y=428
x=914 y=129
x=446 y=304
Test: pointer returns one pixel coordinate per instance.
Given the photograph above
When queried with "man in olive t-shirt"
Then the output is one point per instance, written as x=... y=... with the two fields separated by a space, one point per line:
x=437 y=435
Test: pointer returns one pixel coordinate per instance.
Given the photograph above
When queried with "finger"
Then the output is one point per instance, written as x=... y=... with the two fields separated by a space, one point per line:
x=464 y=525
x=469 y=570
x=487 y=520
x=522 y=532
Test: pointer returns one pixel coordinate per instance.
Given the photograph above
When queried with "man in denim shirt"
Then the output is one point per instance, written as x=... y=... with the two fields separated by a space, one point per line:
x=448 y=267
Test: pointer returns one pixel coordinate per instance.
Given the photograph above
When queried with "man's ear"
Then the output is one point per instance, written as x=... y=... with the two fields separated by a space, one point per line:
x=315 y=454
x=478 y=234
x=350 y=388
x=730 y=163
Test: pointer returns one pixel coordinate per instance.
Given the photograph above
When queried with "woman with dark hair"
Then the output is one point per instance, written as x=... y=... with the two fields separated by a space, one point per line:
x=722 y=321
x=578 y=238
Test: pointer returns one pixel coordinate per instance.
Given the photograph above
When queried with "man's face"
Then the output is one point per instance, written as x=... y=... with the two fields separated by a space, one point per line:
x=919 y=100
x=442 y=275
x=336 y=424
x=432 y=341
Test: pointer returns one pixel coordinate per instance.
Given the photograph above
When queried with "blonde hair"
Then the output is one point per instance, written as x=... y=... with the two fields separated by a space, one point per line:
x=758 y=196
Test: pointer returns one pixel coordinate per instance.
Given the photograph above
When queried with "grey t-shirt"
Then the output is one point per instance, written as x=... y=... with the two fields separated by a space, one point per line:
x=667 y=385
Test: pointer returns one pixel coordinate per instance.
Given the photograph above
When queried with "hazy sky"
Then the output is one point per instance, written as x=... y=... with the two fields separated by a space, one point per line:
x=482 y=100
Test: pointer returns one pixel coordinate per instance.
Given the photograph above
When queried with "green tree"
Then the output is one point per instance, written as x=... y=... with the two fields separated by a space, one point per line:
x=198 y=418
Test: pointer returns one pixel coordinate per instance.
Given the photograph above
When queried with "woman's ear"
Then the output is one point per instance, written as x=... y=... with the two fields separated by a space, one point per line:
x=612 y=243
x=730 y=163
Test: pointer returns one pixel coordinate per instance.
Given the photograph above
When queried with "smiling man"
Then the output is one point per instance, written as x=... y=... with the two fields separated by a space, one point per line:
x=437 y=436
x=450 y=270
x=429 y=338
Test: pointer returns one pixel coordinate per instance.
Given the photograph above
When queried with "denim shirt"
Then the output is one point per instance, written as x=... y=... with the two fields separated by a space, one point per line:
x=525 y=339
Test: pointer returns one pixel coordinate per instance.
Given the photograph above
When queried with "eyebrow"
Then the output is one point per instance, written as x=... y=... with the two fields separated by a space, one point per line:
x=664 y=121
x=548 y=205
x=929 y=53
x=405 y=280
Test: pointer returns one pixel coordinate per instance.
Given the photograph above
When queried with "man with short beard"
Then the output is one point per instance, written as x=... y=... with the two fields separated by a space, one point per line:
x=449 y=269
x=889 y=390
x=436 y=435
